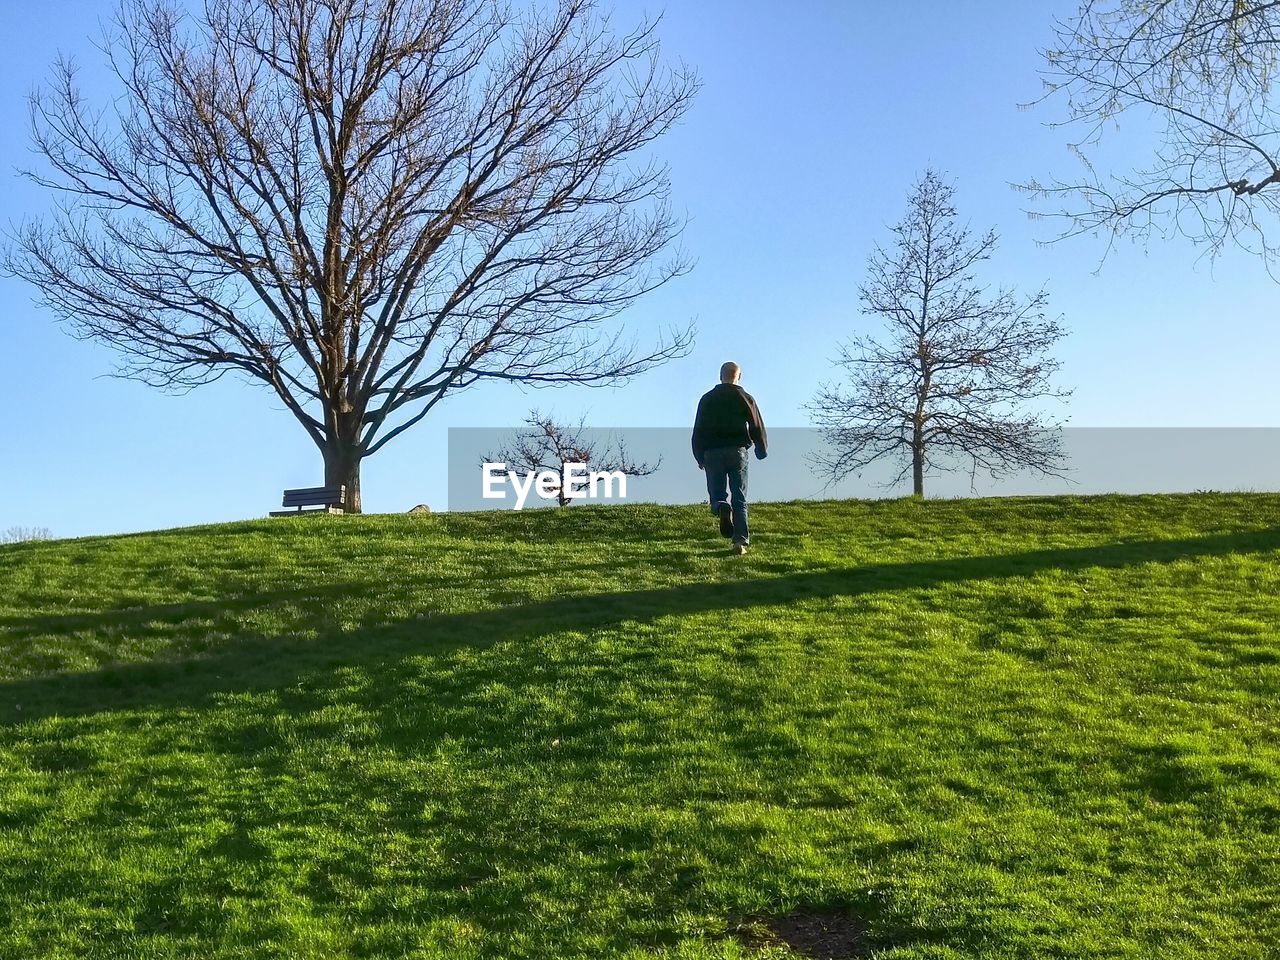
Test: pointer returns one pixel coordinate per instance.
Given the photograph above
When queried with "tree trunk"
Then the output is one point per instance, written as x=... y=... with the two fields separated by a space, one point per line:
x=917 y=463
x=918 y=420
x=562 y=495
x=342 y=468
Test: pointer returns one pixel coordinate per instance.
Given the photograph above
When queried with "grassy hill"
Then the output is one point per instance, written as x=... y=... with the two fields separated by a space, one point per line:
x=1035 y=728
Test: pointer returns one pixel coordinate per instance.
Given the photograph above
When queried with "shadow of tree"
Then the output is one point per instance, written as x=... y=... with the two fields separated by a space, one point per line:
x=258 y=661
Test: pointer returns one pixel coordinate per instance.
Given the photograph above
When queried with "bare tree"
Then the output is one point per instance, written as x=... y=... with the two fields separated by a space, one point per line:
x=549 y=445
x=1203 y=74
x=958 y=373
x=25 y=534
x=365 y=205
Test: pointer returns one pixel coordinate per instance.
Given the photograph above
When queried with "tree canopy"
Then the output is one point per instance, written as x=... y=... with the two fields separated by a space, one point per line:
x=364 y=205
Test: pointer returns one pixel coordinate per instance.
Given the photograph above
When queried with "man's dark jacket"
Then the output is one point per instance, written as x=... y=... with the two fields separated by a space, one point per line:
x=728 y=417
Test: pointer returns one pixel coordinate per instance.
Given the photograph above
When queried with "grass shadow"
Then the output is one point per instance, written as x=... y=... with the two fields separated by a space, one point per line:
x=256 y=661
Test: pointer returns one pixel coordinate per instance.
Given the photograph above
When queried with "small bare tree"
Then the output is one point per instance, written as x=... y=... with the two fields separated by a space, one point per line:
x=548 y=445
x=1197 y=80
x=364 y=205
x=959 y=371
x=25 y=534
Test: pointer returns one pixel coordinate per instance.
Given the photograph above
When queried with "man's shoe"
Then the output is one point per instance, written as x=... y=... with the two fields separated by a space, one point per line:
x=739 y=549
x=726 y=520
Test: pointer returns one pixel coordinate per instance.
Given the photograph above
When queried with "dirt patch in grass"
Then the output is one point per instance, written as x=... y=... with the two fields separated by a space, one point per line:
x=817 y=934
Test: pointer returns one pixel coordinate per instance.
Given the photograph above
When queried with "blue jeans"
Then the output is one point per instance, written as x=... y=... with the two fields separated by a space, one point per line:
x=727 y=467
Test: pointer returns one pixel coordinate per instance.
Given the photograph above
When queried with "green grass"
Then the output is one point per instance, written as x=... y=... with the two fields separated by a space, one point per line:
x=991 y=728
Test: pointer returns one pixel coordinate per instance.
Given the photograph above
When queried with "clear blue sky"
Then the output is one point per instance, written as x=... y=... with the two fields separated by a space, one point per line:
x=813 y=121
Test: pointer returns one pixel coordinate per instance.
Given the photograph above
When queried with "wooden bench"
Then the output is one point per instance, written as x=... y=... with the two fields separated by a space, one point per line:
x=327 y=499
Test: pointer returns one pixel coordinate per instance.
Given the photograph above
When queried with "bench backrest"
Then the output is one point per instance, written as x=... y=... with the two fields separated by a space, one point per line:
x=315 y=497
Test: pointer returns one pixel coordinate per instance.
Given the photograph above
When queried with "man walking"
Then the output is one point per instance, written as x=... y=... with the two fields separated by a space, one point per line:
x=728 y=423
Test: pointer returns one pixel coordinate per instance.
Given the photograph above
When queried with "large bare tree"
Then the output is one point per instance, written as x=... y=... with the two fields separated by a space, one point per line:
x=1195 y=81
x=365 y=205
x=959 y=376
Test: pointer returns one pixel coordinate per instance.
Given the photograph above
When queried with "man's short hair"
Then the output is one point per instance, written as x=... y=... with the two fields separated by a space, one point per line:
x=729 y=372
